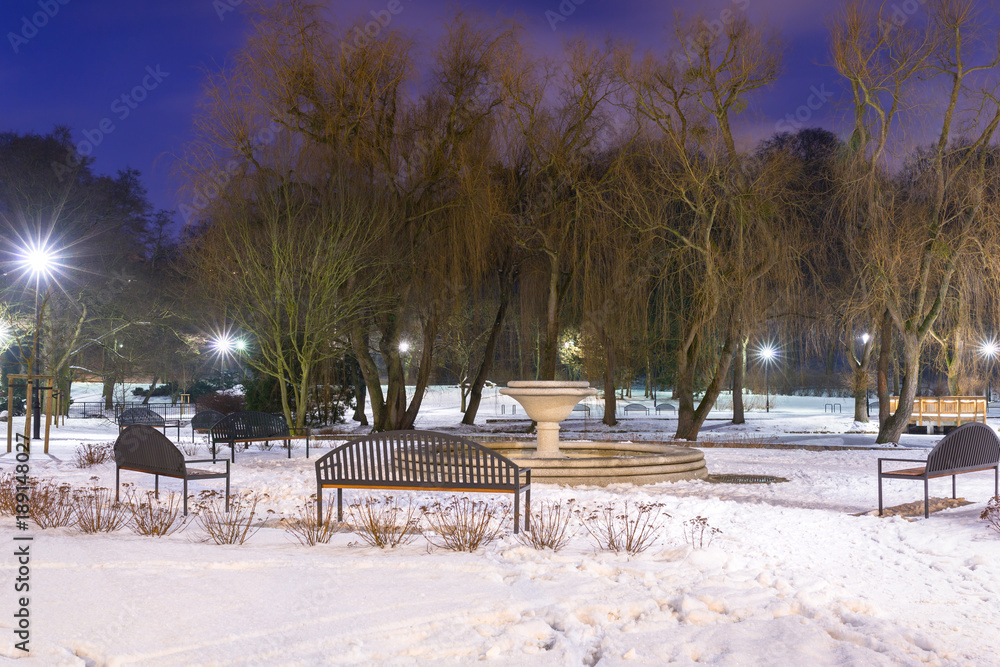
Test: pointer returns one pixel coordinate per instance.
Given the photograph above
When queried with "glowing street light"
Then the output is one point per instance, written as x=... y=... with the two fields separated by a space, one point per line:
x=767 y=355
x=404 y=346
x=224 y=346
x=38 y=260
x=989 y=349
x=865 y=338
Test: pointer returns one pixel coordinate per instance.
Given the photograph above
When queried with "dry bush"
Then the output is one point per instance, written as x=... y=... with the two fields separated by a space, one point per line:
x=51 y=505
x=234 y=527
x=264 y=445
x=383 y=522
x=188 y=448
x=991 y=515
x=696 y=530
x=307 y=530
x=97 y=511
x=630 y=530
x=92 y=455
x=463 y=524
x=549 y=527
x=8 y=493
x=153 y=517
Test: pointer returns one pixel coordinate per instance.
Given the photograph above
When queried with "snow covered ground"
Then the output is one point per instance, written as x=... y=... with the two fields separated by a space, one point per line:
x=796 y=577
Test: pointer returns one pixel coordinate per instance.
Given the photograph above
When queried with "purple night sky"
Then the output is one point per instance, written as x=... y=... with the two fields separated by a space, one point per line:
x=75 y=69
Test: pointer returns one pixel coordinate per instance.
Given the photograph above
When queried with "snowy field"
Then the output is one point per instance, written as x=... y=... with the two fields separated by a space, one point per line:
x=800 y=574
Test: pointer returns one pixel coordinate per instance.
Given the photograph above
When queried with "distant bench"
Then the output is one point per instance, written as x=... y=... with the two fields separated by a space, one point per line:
x=420 y=460
x=242 y=428
x=969 y=448
x=147 y=417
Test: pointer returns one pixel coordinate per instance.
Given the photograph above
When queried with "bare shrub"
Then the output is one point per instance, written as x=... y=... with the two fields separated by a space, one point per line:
x=8 y=493
x=307 y=530
x=92 y=455
x=97 y=511
x=51 y=505
x=463 y=524
x=383 y=522
x=265 y=445
x=631 y=530
x=696 y=530
x=233 y=527
x=153 y=517
x=549 y=527
x=188 y=448
x=991 y=515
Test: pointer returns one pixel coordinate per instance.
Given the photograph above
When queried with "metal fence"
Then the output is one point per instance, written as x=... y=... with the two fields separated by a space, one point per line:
x=97 y=409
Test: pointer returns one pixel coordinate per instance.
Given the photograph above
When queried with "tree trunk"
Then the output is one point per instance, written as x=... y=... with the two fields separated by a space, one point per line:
x=358 y=379
x=610 y=406
x=152 y=386
x=369 y=370
x=476 y=393
x=690 y=419
x=550 y=346
x=884 y=354
x=739 y=374
x=108 y=392
x=409 y=416
x=895 y=424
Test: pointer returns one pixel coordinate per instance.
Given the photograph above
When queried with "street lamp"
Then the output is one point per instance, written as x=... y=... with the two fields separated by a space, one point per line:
x=990 y=350
x=767 y=355
x=224 y=346
x=868 y=404
x=38 y=260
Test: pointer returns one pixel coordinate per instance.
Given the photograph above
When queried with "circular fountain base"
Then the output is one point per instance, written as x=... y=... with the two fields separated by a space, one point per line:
x=604 y=463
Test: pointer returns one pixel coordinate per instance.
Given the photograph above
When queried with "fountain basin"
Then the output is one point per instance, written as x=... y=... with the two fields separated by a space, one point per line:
x=548 y=402
x=603 y=463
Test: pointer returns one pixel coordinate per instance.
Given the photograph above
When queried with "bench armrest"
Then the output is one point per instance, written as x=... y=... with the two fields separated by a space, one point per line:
x=226 y=461
x=905 y=460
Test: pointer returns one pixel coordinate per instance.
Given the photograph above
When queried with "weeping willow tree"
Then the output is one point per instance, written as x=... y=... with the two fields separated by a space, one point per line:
x=911 y=238
x=354 y=112
x=724 y=222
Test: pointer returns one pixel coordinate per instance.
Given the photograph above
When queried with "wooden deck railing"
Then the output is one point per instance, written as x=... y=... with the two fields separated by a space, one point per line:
x=944 y=410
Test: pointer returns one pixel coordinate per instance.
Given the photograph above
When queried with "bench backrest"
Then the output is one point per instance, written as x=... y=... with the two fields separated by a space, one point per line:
x=140 y=416
x=249 y=424
x=417 y=458
x=970 y=445
x=206 y=419
x=636 y=406
x=142 y=447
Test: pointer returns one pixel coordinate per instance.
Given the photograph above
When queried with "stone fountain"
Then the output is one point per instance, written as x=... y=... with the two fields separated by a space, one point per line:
x=596 y=463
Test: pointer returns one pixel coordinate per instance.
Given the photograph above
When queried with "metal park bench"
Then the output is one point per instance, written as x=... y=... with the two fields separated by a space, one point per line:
x=665 y=406
x=580 y=407
x=203 y=421
x=636 y=407
x=142 y=448
x=248 y=426
x=420 y=460
x=969 y=448
x=147 y=417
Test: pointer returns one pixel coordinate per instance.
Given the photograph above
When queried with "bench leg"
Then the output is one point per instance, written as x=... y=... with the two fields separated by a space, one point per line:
x=232 y=452
x=156 y=486
x=227 y=491
x=926 y=504
x=185 y=496
x=527 y=506
x=118 y=472
x=319 y=505
x=288 y=446
x=880 y=495
x=340 y=505
x=517 y=507
x=953 y=496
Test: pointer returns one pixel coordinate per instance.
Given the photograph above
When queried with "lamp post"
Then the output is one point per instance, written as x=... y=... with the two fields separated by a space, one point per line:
x=767 y=354
x=989 y=349
x=224 y=346
x=38 y=261
x=868 y=404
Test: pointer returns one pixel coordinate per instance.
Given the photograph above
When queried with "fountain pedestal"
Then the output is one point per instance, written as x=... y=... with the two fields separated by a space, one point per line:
x=548 y=402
